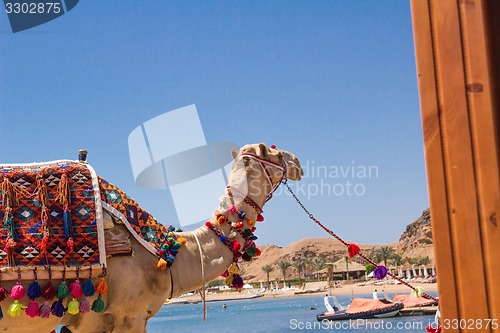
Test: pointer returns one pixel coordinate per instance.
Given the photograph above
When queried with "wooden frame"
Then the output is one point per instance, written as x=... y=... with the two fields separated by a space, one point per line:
x=457 y=66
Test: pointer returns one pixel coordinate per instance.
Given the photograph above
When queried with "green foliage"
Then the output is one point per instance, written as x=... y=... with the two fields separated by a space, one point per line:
x=384 y=254
x=369 y=268
x=215 y=283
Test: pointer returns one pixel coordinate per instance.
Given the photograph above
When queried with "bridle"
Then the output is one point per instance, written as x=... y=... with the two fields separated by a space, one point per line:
x=264 y=166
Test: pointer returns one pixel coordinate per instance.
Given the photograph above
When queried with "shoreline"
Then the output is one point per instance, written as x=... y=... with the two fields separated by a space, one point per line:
x=344 y=290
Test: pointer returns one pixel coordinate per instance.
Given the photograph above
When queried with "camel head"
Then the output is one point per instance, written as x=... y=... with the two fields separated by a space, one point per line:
x=258 y=170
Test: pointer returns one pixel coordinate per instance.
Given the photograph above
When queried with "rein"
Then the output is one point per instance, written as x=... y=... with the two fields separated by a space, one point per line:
x=354 y=250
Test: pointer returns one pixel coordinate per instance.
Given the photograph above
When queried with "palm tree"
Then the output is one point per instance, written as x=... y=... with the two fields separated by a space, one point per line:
x=384 y=253
x=397 y=259
x=347 y=261
x=268 y=269
x=318 y=264
x=299 y=264
x=283 y=266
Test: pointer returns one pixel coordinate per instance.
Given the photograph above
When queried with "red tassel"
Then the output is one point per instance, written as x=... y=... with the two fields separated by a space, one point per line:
x=43 y=244
x=236 y=246
x=352 y=250
x=69 y=245
x=209 y=224
x=260 y=218
x=49 y=292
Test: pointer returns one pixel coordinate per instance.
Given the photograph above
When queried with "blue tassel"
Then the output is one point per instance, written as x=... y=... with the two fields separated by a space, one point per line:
x=1 y=313
x=9 y=223
x=173 y=252
x=223 y=238
x=58 y=308
x=68 y=224
x=88 y=288
x=34 y=290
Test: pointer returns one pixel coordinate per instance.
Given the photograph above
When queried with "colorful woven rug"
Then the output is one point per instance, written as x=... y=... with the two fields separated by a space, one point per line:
x=142 y=225
x=51 y=214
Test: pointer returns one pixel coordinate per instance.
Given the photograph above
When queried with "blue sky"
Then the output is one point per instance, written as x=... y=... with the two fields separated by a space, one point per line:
x=332 y=81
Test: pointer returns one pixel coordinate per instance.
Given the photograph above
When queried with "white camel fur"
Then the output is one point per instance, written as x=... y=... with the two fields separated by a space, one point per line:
x=138 y=289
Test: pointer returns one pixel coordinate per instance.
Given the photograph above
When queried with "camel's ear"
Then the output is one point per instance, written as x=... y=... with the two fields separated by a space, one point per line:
x=234 y=152
x=293 y=169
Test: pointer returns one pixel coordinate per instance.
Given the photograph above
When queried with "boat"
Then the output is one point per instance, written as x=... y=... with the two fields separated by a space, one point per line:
x=411 y=302
x=363 y=308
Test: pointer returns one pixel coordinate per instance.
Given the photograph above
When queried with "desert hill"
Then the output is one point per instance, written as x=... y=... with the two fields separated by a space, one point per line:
x=416 y=241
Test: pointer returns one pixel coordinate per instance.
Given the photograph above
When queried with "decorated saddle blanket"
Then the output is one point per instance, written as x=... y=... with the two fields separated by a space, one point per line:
x=51 y=215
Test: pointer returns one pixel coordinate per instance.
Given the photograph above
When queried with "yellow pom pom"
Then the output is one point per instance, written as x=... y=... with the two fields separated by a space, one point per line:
x=170 y=234
x=181 y=240
x=419 y=291
x=15 y=309
x=229 y=280
x=162 y=264
x=74 y=307
x=233 y=269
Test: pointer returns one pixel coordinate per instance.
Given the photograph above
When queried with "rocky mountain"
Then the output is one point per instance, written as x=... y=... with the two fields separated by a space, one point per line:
x=416 y=241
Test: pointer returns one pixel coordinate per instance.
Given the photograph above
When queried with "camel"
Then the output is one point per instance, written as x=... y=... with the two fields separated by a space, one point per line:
x=138 y=289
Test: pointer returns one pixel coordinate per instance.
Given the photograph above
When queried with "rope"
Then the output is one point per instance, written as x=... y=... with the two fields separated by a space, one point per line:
x=202 y=293
x=315 y=220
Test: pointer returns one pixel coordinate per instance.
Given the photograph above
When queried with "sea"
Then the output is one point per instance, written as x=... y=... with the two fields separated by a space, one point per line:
x=273 y=315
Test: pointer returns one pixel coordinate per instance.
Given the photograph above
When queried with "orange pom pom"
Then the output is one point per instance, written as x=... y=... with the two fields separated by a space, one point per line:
x=181 y=240
x=101 y=287
x=221 y=220
x=162 y=264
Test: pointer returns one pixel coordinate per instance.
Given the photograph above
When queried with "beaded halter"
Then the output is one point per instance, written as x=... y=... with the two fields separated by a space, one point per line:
x=242 y=225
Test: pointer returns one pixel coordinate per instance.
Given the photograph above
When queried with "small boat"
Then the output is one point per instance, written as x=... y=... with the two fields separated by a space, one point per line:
x=411 y=302
x=363 y=308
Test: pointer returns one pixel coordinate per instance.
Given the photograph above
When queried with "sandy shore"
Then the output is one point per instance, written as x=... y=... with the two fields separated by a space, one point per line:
x=350 y=289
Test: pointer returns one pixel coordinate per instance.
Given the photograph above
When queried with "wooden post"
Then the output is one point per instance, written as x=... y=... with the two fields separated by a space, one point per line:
x=456 y=44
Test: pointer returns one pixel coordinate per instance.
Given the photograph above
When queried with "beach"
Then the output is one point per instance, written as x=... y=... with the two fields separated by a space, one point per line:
x=344 y=290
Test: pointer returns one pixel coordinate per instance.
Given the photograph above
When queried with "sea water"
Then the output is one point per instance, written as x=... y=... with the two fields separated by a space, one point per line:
x=294 y=314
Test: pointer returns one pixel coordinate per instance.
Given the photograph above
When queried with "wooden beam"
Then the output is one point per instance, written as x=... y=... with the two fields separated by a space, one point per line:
x=454 y=47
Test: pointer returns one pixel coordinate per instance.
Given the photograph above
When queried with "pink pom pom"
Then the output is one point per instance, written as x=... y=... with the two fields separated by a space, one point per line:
x=44 y=310
x=84 y=305
x=76 y=289
x=233 y=209
x=18 y=291
x=33 y=310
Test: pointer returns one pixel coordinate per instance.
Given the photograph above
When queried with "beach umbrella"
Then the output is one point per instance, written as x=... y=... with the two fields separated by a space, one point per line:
x=414 y=271
x=426 y=273
x=420 y=271
x=261 y=285
x=433 y=271
x=284 y=285
x=408 y=273
x=400 y=273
